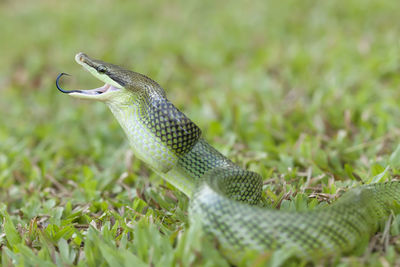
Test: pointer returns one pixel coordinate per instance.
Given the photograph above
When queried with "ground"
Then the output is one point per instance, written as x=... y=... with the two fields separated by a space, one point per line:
x=306 y=93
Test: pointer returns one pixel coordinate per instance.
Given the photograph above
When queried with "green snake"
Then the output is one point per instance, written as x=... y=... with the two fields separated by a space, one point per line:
x=224 y=197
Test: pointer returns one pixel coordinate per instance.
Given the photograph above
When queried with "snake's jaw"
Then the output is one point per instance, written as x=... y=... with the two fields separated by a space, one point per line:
x=108 y=91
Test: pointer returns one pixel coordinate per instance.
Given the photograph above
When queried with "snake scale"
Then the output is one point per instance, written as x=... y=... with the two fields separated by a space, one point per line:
x=223 y=196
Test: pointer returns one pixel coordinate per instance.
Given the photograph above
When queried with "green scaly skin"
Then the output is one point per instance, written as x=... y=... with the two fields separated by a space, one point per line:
x=223 y=196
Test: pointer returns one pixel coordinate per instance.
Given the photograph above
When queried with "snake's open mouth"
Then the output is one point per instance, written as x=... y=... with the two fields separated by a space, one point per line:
x=100 y=90
x=104 y=89
x=99 y=70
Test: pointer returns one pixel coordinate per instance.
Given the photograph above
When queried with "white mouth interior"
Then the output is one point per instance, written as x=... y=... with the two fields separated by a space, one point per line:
x=100 y=90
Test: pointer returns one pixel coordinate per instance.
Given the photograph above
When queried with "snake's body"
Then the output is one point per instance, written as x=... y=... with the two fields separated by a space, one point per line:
x=225 y=197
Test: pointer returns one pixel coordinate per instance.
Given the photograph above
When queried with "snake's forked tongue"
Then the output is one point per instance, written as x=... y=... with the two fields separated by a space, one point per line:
x=63 y=90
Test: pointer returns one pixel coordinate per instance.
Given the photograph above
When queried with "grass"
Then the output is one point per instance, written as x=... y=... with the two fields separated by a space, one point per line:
x=305 y=93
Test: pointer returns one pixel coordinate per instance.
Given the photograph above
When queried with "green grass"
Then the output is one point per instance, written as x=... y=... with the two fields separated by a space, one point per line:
x=306 y=93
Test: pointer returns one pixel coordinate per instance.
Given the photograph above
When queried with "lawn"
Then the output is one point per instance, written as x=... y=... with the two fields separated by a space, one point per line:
x=304 y=92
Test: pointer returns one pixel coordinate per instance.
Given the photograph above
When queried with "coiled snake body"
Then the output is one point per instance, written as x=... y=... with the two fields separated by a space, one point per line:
x=224 y=196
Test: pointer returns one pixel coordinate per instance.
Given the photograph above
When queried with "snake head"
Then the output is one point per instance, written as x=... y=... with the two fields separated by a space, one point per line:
x=120 y=84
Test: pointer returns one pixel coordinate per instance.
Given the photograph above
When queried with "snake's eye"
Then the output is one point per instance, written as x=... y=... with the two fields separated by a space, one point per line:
x=102 y=69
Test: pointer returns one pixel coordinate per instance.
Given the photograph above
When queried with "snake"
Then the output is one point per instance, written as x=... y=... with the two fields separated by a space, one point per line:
x=225 y=198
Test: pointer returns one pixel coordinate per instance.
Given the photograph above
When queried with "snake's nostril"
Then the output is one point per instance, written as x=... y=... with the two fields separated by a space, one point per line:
x=80 y=57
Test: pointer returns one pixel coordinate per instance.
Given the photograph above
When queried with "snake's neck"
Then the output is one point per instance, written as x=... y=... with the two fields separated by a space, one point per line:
x=167 y=141
x=149 y=149
x=142 y=140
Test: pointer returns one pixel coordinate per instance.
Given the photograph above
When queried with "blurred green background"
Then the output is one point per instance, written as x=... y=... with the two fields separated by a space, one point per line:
x=304 y=92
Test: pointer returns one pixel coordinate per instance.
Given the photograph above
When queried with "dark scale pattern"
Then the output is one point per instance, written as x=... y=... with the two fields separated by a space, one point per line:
x=203 y=158
x=348 y=222
x=237 y=184
x=168 y=124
